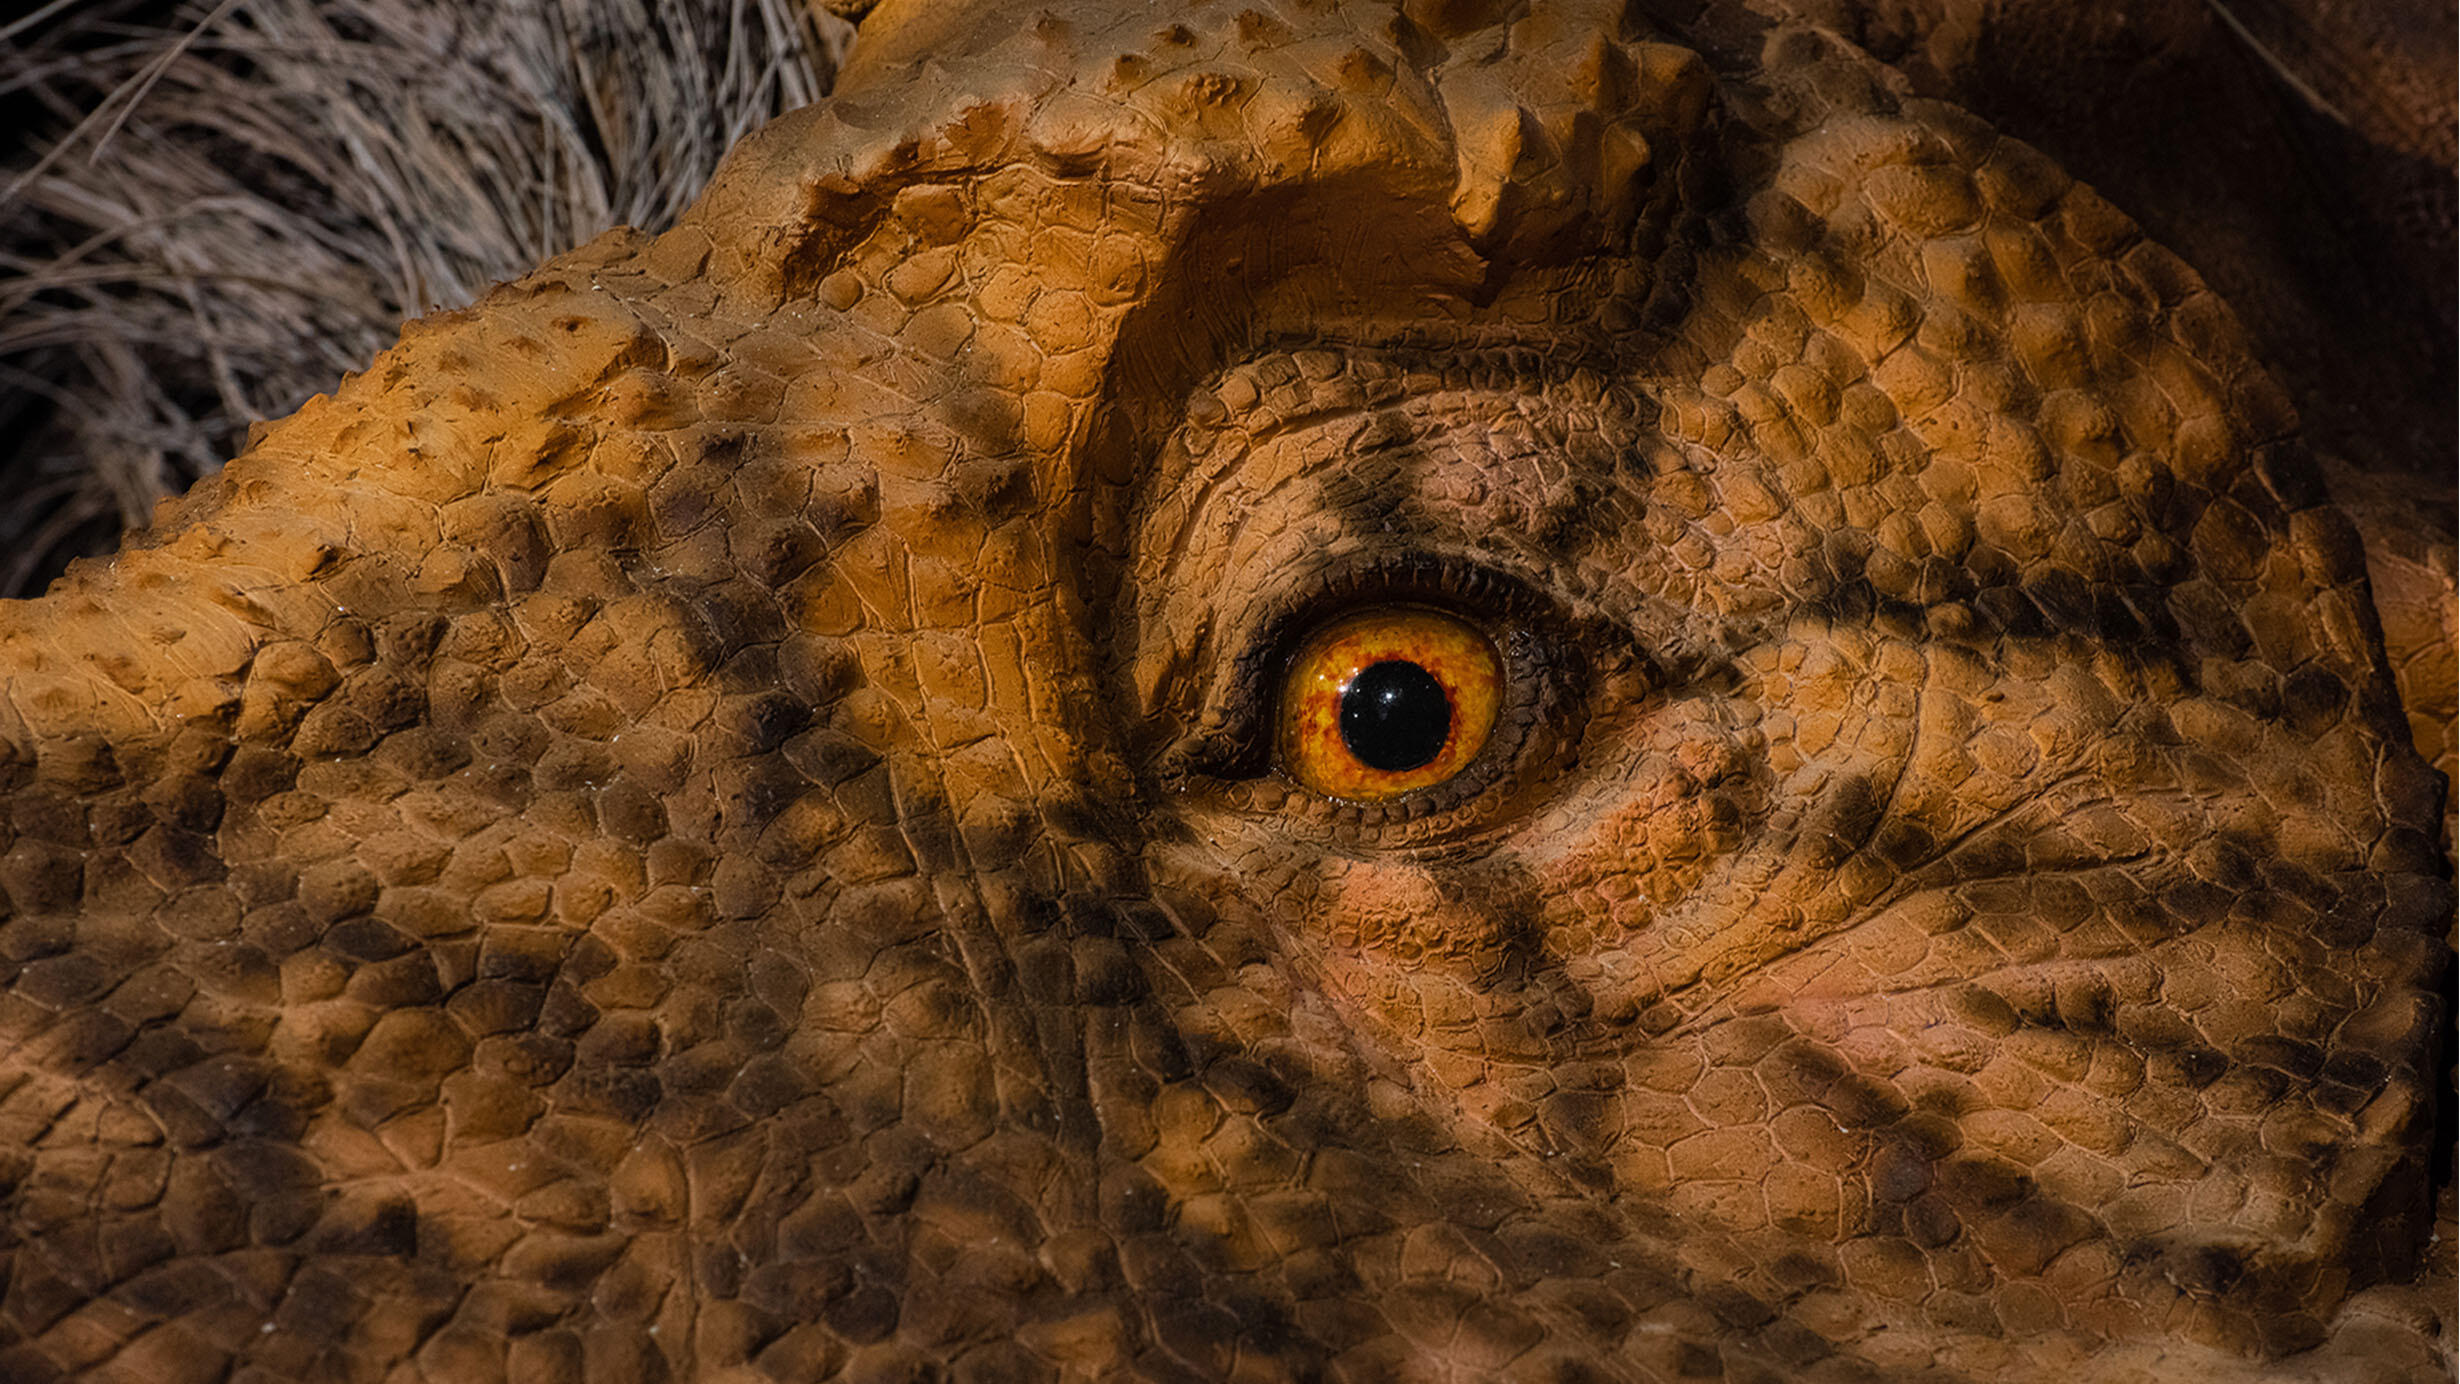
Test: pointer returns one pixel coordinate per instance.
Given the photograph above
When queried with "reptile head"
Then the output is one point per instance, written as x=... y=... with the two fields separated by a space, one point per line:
x=787 y=799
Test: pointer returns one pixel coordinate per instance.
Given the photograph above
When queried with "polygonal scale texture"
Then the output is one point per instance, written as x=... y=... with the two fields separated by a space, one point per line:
x=711 y=817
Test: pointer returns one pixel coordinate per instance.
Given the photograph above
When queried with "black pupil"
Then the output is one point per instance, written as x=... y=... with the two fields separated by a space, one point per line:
x=1395 y=716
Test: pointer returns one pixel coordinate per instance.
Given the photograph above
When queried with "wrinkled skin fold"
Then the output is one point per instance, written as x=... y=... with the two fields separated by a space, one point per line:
x=714 y=815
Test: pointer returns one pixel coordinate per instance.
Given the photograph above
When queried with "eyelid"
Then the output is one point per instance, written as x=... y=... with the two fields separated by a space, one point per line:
x=1238 y=698
x=1234 y=744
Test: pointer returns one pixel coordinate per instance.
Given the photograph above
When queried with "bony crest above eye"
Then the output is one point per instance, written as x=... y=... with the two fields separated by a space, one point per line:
x=1387 y=701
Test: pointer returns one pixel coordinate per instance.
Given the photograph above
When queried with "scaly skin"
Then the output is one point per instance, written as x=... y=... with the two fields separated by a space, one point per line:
x=711 y=816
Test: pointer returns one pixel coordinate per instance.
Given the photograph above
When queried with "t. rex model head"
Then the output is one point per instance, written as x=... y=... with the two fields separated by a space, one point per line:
x=1270 y=691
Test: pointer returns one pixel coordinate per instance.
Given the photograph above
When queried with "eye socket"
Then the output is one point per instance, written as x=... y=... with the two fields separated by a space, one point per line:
x=1521 y=673
x=1387 y=701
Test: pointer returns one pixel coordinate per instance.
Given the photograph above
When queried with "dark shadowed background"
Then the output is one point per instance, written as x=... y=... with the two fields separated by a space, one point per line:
x=210 y=211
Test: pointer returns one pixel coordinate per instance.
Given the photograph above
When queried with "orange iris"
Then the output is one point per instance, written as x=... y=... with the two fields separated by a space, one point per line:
x=1408 y=689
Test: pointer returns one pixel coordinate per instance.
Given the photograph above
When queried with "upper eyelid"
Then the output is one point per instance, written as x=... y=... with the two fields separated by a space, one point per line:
x=1275 y=639
x=1488 y=370
x=1227 y=475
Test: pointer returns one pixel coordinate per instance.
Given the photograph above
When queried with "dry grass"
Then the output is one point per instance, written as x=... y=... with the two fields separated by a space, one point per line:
x=222 y=207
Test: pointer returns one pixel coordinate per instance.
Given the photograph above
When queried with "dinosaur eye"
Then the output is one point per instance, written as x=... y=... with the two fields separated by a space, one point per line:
x=1387 y=701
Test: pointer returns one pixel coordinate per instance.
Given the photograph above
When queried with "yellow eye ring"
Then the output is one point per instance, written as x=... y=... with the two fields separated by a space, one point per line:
x=1387 y=702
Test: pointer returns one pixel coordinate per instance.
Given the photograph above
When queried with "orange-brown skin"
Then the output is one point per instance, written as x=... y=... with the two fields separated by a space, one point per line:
x=711 y=817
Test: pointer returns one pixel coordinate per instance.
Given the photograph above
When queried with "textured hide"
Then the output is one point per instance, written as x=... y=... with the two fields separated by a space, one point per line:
x=713 y=816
